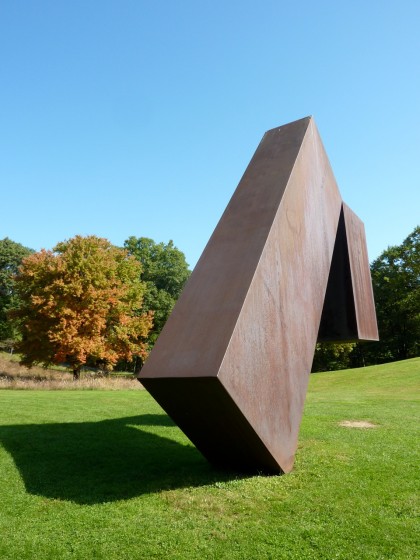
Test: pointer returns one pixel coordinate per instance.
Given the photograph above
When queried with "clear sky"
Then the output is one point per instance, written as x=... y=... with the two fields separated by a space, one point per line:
x=132 y=117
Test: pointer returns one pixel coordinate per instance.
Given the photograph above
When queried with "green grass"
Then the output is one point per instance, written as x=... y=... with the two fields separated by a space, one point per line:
x=106 y=475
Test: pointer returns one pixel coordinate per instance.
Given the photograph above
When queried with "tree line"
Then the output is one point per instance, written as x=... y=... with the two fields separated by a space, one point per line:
x=396 y=288
x=89 y=303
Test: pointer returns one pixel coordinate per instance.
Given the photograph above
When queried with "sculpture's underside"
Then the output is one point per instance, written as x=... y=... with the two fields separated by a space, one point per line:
x=286 y=267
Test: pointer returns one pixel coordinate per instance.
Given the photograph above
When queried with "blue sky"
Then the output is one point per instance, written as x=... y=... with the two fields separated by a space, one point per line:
x=123 y=117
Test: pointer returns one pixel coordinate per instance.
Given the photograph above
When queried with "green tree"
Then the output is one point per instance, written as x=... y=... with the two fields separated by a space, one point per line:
x=396 y=287
x=81 y=304
x=11 y=255
x=165 y=271
x=331 y=356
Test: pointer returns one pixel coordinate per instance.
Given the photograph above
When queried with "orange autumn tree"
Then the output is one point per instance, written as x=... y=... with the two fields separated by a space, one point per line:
x=81 y=304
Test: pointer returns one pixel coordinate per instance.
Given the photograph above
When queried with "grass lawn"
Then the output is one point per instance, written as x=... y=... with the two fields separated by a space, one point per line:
x=106 y=475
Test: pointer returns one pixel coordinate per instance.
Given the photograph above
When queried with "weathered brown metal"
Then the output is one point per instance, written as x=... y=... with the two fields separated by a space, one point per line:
x=349 y=309
x=232 y=363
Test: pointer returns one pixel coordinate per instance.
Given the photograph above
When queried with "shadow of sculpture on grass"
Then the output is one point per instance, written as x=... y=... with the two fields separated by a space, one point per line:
x=96 y=462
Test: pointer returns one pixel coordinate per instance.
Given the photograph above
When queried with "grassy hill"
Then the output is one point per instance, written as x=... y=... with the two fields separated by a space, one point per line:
x=106 y=475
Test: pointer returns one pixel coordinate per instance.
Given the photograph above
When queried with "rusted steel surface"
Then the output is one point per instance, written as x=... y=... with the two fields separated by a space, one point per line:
x=232 y=363
x=367 y=328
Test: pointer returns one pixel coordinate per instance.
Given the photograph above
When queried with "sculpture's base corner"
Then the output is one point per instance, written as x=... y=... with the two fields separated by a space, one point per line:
x=209 y=417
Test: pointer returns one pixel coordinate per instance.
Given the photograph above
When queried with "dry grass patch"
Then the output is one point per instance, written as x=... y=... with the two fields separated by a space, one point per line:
x=15 y=376
x=357 y=424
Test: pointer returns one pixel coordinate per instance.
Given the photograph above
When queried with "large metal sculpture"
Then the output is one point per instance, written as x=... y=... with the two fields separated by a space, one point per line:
x=286 y=266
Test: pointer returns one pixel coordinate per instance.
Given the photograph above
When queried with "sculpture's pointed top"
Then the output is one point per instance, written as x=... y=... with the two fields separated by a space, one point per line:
x=299 y=124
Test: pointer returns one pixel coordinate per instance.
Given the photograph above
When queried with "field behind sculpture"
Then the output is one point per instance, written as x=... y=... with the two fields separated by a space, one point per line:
x=106 y=475
x=14 y=376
